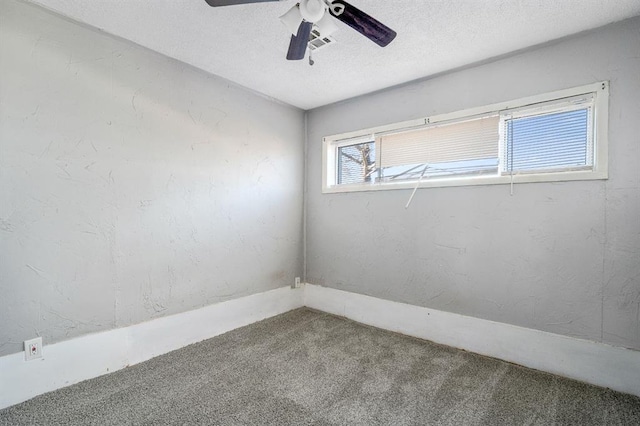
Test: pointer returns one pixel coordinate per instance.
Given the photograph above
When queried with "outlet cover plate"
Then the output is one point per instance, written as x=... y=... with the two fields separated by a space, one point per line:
x=33 y=349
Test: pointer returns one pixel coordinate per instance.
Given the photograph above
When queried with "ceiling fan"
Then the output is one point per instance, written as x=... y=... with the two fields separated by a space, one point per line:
x=301 y=18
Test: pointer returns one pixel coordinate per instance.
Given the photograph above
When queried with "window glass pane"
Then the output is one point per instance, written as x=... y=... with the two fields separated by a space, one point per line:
x=440 y=170
x=356 y=163
x=549 y=141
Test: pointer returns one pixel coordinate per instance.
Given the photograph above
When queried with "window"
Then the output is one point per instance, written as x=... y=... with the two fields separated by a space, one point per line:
x=356 y=163
x=557 y=136
x=459 y=148
x=554 y=136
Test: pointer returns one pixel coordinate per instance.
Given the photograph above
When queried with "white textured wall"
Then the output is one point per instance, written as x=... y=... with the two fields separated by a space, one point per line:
x=560 y=257
x=133 y=186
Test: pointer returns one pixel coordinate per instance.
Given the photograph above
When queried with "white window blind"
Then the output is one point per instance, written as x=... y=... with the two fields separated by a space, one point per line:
x=556 y=136
x=468 y=140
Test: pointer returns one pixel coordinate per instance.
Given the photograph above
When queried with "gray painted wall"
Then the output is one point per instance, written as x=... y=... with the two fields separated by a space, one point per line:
x=560 y=257
x=133 y=186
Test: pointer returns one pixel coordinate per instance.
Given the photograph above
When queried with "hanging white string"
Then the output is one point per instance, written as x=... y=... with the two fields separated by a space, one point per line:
x=416 y=187
x=510 y=147
x=511 y=182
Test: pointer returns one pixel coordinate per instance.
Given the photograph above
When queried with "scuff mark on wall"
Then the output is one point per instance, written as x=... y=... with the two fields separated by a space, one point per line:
x=46 y=150
x=38 y=272
x=460 y=250
x=152 y=303
x=5 y=225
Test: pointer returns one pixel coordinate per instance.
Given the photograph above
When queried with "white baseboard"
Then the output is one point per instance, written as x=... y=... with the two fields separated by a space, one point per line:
x=596 y=363
x=68 y=362
x=71 y=361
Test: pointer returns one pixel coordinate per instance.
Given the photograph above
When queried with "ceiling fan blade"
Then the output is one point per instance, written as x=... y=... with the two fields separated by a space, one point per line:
x=216 y=3
x=366 y=25
x=298 y=44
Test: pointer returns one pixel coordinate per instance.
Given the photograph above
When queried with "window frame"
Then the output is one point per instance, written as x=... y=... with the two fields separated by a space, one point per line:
x=600 y=119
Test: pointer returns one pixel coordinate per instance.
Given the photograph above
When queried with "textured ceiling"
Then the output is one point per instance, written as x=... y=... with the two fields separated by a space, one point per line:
x=247 y=44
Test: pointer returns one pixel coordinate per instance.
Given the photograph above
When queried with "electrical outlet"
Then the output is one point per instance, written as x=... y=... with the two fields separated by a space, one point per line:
x=296 y=284
x=33 y=349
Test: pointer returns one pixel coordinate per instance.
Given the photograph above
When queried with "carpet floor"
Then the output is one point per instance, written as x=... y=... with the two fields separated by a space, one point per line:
x=310 y=368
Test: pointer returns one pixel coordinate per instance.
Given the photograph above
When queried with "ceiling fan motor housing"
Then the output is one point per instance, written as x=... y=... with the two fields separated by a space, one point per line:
x=312 y=10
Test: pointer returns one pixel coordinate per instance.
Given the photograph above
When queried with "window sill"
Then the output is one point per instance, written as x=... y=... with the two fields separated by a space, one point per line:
x=470 y=181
